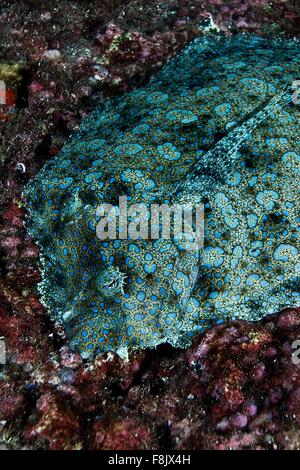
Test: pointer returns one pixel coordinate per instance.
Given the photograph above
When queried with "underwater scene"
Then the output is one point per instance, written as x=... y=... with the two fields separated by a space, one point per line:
x=149 y=227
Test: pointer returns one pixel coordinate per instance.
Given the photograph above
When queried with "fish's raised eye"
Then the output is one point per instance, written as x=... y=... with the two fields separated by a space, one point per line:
x=110 y=282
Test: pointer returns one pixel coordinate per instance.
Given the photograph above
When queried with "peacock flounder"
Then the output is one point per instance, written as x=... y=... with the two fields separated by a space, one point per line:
x=215 y=126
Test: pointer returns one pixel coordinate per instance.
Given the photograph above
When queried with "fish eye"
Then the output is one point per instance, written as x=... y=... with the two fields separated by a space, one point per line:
x=110 y=282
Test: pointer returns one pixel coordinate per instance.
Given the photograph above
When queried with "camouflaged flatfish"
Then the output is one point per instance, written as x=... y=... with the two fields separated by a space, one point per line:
x=218 y=126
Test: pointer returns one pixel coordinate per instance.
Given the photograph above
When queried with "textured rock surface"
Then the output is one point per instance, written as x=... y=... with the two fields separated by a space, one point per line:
x=49 y=398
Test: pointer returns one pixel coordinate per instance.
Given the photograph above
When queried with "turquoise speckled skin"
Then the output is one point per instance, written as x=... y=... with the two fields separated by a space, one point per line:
x=206 y=129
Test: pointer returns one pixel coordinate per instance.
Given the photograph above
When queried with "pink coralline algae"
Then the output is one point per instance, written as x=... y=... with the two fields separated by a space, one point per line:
x=238 y=387
x=130 y=434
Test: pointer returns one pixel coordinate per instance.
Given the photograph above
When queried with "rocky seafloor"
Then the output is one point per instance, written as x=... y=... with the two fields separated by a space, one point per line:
x=237 y=387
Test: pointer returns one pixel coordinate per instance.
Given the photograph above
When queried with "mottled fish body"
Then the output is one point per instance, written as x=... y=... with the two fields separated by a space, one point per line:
x=211 y=127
